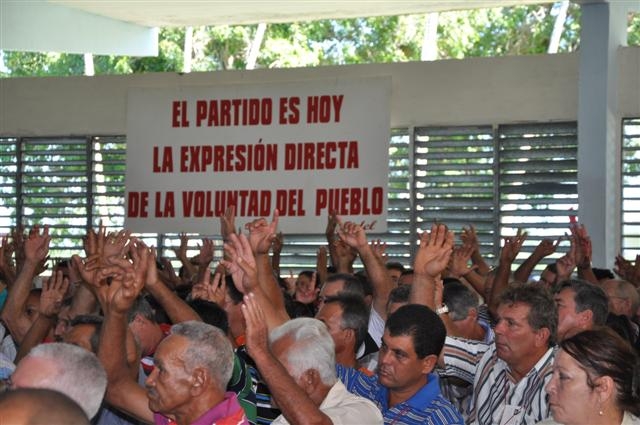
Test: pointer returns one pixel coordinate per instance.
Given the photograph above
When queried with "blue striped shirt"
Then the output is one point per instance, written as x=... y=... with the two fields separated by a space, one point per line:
x=427 y=406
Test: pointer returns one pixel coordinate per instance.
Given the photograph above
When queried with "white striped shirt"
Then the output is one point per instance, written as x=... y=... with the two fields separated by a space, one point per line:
x=497 y=397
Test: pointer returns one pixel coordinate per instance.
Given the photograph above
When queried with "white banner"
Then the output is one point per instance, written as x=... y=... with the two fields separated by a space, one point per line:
x=303 y=148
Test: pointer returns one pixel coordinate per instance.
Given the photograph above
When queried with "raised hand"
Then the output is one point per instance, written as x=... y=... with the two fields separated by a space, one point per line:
x=262 y=234
x=459 y=262
x=211 y=291
x=54 y=290
x=512 y=246
x=241 y=263
x=228 y=222
x=206 y=253
x=36 y=246
x=7 y=266
x=181 y=250
x=352 y=234
x=434 y=251
x=256 y=326
x=379 y=249
x=546 y=247
x=469 y=237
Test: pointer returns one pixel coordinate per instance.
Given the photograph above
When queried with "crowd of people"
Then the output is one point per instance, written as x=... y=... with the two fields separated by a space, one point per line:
x=115 y=336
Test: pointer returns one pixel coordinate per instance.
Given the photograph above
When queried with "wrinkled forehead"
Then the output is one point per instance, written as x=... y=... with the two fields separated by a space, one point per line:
x=514 y=310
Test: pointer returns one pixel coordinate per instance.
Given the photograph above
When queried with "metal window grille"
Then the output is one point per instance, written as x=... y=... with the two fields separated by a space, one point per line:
x=538 y=181
x=630 y=231
x=496 y=177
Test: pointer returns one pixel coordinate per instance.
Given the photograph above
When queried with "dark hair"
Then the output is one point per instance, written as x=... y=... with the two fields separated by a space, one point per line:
x=543 y=312
x=552 y=268
x=406 y=272
x=621 y=325
x=423 y=326
x=602 y=273
x=232 y=291
x=142 y=307
x=352 y=284
x=394 y=265
x=399 y=294
x=355 y=314
x=587 y=296
x=602 y=352
x=211 y=314
x=91 y=320
x=459 y=298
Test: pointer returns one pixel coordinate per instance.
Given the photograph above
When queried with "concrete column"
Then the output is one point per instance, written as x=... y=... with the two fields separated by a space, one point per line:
x=603 y=31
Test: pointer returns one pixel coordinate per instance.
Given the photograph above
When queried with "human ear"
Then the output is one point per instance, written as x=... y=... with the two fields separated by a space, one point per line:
x=199 y=381
x=429 y=363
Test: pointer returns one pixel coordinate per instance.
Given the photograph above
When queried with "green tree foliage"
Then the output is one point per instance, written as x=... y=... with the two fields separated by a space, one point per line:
x=518 y=30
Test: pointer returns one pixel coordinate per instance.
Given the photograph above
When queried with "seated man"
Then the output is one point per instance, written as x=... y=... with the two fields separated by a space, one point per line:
x=510 y=374
x=581 y=306
x=27 y=406
x=406 y=390
x=346 y=317
x=66 y=368
x=299 y=367
x=192 y=365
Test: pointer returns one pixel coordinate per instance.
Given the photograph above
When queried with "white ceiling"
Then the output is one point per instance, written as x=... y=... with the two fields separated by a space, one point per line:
x=153 y=13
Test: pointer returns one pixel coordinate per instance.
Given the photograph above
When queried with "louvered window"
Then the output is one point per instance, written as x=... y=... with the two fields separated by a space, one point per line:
x=538 y=181
x=496 y=177
x=454 y=181
x=630 y=188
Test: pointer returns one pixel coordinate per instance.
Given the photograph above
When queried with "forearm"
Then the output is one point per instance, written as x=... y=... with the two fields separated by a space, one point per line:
x=84 y=301
x=275 y=263
x=268 y=281
x=177 y=310
x=500 y=284
x=523 y=272
x=586 y=272
x=294 y=403
x=423 y=290
x=36 y=334
x=478 y=260
x=476 y=281
x=380 y=279
x=19 y=292
x=122 y=390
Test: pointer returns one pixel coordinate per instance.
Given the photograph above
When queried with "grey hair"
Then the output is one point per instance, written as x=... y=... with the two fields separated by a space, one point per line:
x=78 y=374
x=208 y=347
x=459 y=298
x=312 y=348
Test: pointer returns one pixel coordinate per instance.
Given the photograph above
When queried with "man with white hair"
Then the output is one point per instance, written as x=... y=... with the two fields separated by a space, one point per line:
x=66 y=368
x=299 y=367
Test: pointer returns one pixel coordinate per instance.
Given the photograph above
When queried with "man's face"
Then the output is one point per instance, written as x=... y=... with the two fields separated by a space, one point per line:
x=31 y=372
x=515 y=338
x=62 y=325
x=617 y=305
x=399 y=367
x=547 y=278
x=406 y=279
x=394 y=274
x=331 y=315
x=168 y=386
x=80 y=335
x=330 y=289
x=570 y=322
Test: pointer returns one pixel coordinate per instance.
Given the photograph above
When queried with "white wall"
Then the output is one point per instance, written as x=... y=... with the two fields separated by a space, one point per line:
x=471 y=91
